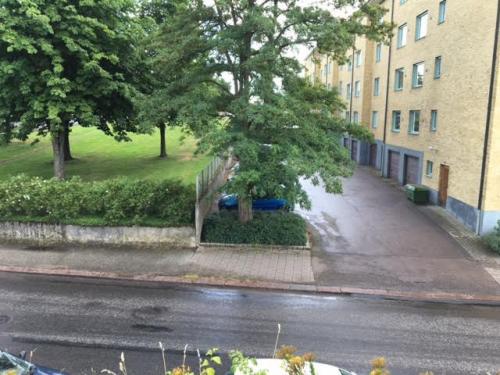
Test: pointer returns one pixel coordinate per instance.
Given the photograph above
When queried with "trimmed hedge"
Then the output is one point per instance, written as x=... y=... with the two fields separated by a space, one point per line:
x=493 y=239
x=110 y=202
x=267 y=228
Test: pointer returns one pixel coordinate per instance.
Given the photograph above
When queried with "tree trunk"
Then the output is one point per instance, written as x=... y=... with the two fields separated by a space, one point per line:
x=58 y=152
x=67 y=149
x=245 y=211
x=163 y=142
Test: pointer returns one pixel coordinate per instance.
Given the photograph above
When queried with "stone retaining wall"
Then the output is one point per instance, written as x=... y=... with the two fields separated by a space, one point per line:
x=118 y=236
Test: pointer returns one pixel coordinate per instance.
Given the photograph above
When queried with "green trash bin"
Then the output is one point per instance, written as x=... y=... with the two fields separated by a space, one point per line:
x=418 y=194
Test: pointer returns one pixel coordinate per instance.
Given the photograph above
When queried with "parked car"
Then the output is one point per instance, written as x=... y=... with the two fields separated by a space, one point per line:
x=275 y=367
x=17 y=365
x=230 y=202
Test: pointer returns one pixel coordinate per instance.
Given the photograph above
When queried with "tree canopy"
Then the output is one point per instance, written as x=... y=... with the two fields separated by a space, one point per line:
x=67 y=62
x=242 y=89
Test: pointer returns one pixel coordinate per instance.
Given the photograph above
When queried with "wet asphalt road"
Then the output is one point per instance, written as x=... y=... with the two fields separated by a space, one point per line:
x=79 y=324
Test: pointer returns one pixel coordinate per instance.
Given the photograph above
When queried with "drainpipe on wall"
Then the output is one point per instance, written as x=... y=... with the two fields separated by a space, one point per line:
x=386 y=115
x=480 y=205
x=352 y=80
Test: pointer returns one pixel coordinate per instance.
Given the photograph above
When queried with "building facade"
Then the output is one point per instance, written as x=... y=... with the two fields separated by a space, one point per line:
x=430 y=100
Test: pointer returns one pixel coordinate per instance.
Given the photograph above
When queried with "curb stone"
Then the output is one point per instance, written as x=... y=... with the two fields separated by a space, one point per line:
x=438 y=297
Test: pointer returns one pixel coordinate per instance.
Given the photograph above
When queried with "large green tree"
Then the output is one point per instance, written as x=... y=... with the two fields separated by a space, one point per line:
x=167 y=88
x=278 y=126
x=67 y=62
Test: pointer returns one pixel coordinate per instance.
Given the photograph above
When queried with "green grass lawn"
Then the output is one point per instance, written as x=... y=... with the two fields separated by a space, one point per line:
x=100 y=157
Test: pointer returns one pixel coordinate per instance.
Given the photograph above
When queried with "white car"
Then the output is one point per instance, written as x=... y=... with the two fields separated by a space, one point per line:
x=276 y=367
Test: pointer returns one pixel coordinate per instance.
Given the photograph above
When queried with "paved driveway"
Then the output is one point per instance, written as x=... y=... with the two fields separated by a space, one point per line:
x=373 y=237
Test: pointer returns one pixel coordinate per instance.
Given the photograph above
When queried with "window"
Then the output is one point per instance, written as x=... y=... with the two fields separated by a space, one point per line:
x=429 y=168
x=399 y=79
x=401 y=2
x=378 y=53
x=402 y=35
x=357 y=89
x=355 y=117
x=437 y=67
x=376 y=87
x=348 y=94
x=422 y=21
x=418 y=75
x=434 y=120
x=347 y=115
x=328 y=86
x=358 y=58
x=442 y=11
x=414 y=127
x=374 y=119
x=396 y=121
x=349 y=64
x=341 y=88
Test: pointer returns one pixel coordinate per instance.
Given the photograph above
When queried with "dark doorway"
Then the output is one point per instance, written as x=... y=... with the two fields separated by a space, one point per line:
x=444 y=174
x=411 y=170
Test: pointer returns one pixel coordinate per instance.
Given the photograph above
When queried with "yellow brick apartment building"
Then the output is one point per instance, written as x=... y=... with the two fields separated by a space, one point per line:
x=430 y=100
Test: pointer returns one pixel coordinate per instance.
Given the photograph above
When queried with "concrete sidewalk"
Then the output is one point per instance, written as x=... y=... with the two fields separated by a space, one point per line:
x=240 y=268
x=287 y=266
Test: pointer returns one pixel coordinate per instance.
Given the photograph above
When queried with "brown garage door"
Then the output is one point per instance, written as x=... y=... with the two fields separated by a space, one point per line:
x=411 y=170
x=393 y=165
x=354 y=150
x=373 y=155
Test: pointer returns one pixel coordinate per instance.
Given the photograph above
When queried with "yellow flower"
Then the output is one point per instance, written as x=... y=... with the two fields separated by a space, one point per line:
x=309 y=357
x=286 y=351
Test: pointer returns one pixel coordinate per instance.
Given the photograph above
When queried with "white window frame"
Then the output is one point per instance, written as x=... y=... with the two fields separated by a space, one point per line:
x=375 y=119
x=418 y=73
x=434 y=120
x=402 y=38
x=355 y=117
x=422 y=25
x=376 y=86
x=442 y=12
x=399 y=77
x=396 y=114
x=429 y=168
x=378 y=53
x=414 y=126
x=358 y=58
x=438 y=65
x=357 y=89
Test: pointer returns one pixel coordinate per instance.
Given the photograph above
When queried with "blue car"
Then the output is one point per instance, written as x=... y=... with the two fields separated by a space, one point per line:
x=10 y=364
x=230 y=202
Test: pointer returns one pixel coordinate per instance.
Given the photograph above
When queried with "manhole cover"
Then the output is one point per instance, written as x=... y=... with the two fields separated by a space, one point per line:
x=4 y=319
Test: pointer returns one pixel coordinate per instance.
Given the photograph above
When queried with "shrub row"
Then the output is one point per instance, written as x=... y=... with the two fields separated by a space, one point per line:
x=493 y=239
x=267 y=228
x=110 y=202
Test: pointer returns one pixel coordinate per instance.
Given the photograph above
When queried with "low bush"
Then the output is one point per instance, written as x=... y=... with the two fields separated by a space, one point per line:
x=267 y=228
x=110 y=202
x=493 y=239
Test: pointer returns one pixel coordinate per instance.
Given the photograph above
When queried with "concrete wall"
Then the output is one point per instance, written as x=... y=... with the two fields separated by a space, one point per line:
x=116 y=236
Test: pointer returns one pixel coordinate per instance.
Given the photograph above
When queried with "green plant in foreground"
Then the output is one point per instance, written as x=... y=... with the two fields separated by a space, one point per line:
x=493 y=239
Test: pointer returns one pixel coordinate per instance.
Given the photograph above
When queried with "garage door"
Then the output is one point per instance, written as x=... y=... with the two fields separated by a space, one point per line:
x=393 y=165
x=411 y=170
x=354 y=150
x=373 y=155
